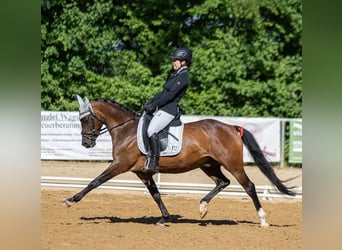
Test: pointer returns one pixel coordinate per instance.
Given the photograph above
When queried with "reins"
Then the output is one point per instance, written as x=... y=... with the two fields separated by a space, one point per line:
x=102 y=130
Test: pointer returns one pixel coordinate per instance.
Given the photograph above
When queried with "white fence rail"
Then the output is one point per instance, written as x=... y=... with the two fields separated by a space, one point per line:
x=266 y=192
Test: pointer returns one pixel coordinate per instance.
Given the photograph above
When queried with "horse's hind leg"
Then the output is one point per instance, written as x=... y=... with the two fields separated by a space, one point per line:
x=153 y=189
x=214 y=172
x=249 y=187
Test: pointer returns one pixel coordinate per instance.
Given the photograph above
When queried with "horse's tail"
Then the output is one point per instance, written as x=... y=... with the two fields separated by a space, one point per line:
x=260 y=160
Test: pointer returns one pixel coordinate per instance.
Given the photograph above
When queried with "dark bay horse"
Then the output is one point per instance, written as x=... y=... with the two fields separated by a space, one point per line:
x=207 y=144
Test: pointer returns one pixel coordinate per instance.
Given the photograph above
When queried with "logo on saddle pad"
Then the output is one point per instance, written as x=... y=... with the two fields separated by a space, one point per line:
x=170 y=138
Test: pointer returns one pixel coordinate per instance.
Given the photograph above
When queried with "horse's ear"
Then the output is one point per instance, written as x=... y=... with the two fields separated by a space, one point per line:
x=80 y=100
x=85 y=106
x=86 y=101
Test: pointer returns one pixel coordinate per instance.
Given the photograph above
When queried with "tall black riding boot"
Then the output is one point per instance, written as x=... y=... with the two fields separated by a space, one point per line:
x=153 y=157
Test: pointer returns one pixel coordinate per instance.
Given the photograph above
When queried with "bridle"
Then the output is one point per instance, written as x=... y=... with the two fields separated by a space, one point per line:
x=92 y=135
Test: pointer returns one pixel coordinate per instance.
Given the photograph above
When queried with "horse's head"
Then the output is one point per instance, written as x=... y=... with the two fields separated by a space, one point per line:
x=91 y=125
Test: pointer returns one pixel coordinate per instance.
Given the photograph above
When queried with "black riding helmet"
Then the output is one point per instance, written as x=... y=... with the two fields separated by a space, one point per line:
x=182 y=54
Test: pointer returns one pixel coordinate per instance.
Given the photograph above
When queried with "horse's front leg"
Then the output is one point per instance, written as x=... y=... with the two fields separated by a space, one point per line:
x=106 y=175
x=153 y=189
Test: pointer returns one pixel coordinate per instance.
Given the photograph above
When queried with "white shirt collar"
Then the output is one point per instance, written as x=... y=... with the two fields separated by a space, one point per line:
x=181 y=68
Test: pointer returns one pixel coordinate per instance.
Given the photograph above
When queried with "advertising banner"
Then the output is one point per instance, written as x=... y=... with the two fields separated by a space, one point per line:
x=265 y=130
x=61 y=137
x=295 y=149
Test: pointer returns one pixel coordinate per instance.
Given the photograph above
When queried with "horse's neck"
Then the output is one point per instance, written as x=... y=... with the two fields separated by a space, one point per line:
x=114 y=115
x=117 y=117
x=121 y=125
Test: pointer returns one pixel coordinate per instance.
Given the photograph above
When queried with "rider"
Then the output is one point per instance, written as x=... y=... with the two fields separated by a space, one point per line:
x=164 y=105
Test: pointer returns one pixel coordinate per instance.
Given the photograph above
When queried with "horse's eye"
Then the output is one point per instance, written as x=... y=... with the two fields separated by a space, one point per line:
x=84 y=121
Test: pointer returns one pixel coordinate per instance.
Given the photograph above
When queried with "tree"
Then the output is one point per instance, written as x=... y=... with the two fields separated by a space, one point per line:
x=247 y=54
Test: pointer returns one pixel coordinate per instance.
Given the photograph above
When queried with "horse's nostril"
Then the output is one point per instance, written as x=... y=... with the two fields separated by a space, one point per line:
x=88 y=144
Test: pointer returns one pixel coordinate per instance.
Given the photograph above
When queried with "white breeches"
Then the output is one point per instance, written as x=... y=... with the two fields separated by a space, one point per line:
x=159 y=121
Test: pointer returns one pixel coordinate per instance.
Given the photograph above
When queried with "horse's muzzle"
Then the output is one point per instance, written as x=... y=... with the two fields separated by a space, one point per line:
x=88 y=143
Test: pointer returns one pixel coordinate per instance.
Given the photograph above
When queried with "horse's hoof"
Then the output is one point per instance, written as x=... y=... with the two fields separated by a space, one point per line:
x=264 y=224
x=161 y=222
x=67 y=203
x=203 y=209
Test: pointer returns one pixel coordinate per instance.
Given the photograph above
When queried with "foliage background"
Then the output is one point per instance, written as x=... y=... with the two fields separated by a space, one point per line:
x=246 y=54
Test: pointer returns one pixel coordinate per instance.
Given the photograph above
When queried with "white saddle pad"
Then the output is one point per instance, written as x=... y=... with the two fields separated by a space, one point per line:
x=174 y=142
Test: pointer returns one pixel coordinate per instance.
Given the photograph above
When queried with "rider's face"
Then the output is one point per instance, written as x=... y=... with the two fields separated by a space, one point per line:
x=177 y=64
